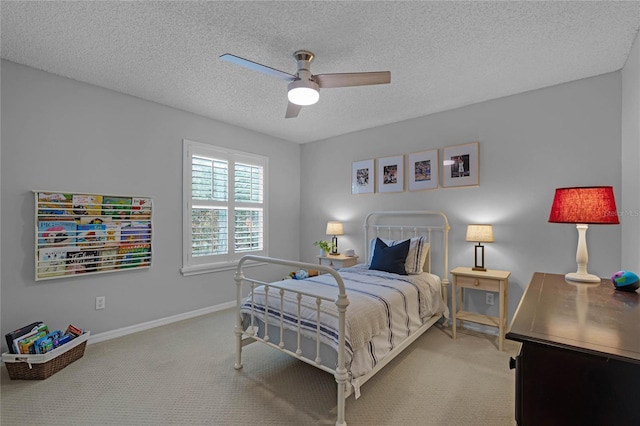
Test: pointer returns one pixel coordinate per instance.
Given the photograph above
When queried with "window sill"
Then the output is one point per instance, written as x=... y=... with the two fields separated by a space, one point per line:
x=188 y=271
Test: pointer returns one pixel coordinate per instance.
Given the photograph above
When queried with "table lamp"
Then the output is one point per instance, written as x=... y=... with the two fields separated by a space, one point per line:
x=583 y=206
x=334 y=228
x=480 y=233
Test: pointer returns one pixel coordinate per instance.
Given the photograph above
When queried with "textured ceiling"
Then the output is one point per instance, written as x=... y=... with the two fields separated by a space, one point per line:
x=441 y=55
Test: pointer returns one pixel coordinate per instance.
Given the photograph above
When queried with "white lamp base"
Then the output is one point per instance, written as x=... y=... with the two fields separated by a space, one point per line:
x=582 y=258
x=583 y=278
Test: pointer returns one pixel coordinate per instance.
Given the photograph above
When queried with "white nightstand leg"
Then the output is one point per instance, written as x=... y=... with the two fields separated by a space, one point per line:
x=502 y=315
x=461 y=306
x=454 y=300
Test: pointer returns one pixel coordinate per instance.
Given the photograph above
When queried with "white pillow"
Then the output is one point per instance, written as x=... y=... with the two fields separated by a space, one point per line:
x=418 y=250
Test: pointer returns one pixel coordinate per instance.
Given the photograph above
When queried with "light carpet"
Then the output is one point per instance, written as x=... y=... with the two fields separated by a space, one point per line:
x=182 y=374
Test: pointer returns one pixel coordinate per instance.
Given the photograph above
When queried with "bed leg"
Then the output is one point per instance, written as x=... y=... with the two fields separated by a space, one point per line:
x=341 y=379
x=238 y=327
x=341 y=374
x=238 y=363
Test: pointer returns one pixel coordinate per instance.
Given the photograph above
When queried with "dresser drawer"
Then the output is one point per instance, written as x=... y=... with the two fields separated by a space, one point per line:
x=487 y=284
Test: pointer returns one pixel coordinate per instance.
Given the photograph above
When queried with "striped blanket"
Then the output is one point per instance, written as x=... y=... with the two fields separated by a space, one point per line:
x=383 y=308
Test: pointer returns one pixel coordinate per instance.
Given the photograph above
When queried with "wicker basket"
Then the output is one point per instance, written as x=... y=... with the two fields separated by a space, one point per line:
x=39 y=367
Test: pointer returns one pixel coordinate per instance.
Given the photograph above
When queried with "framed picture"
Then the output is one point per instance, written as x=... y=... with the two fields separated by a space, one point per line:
x=461 y=165
x=362 y=177
x=390 y=174
x=423 y=170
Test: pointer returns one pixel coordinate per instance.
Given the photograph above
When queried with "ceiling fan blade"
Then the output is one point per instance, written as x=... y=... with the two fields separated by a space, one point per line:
x=257 y=67
x=327 y=81
x=292 y=110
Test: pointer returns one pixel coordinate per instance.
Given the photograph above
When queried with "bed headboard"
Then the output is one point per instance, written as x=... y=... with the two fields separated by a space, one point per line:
x=400 y=225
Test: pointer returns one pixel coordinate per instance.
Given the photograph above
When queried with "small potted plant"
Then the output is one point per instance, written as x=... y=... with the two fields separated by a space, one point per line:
x=325 y=247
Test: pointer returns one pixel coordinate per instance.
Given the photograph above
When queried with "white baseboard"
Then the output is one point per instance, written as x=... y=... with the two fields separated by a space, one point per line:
x=108 y=335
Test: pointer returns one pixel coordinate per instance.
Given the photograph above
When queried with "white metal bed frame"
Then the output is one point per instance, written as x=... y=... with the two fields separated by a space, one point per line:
x=372 y=229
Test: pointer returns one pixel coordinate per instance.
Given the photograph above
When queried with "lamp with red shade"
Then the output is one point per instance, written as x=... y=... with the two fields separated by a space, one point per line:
x=584 y=206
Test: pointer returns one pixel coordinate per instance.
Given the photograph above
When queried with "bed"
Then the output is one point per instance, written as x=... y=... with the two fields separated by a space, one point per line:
x=352 y=322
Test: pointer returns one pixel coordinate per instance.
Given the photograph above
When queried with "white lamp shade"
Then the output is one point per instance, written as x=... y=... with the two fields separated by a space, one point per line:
x=303 y=92
x=480 y=233
x=334 y=228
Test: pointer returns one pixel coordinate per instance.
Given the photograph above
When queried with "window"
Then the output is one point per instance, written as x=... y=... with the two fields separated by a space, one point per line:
x=224 y=211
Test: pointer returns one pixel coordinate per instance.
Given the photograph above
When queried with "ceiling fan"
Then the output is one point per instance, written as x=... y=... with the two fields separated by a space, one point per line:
x=304 y=87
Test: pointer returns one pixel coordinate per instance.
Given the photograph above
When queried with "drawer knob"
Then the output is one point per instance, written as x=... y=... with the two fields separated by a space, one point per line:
x=512 y=363
x=477 y=283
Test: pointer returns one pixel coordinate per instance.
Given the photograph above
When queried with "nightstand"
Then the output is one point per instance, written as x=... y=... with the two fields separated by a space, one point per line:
x=489 y=280
x=338 y=261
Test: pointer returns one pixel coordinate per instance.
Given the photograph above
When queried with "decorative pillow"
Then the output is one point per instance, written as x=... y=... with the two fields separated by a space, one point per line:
x=418 y=250
x=390 y=258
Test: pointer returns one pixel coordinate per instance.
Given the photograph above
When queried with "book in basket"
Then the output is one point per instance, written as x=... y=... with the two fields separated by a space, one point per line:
x=41 y=366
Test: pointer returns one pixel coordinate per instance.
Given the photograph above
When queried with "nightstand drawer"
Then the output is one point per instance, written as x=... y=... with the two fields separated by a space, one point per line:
x=479 y=283
x=338 y=261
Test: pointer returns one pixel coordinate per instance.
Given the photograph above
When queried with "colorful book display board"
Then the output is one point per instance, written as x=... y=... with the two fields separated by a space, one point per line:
x=80 y=234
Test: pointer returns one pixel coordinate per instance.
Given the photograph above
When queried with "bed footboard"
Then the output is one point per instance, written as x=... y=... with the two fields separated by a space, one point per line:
x=248 y=334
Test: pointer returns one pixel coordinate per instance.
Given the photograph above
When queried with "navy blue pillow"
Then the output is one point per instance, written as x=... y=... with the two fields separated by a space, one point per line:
x=390 y=258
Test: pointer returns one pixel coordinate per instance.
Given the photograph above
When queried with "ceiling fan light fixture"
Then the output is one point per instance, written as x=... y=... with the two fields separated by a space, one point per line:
x=303 y=92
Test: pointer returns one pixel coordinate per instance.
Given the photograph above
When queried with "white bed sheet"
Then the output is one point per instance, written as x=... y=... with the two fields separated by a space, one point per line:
x=384 y=309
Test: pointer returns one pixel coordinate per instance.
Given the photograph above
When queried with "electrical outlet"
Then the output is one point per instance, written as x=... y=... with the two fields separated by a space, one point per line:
x=100 y=302
x=489 y=298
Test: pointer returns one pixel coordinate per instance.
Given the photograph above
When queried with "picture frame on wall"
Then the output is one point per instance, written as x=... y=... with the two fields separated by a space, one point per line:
x=391 y=174
x=362 y=177
x=423 y=170
x=461 y=165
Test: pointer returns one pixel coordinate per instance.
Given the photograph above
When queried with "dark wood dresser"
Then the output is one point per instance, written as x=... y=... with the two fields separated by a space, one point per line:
x=580 y=358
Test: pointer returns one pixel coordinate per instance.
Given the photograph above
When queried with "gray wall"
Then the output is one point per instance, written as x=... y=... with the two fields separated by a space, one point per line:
x=630 y=206
x=62 y=135
x=531 y=143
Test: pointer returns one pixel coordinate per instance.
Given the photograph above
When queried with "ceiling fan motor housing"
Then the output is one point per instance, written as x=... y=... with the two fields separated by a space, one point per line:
x=303 y=60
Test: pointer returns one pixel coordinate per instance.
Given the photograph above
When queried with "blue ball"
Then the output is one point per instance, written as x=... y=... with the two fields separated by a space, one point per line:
x=625 y=280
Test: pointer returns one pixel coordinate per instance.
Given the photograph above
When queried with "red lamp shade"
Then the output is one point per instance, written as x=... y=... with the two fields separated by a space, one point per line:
x=588 y=205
